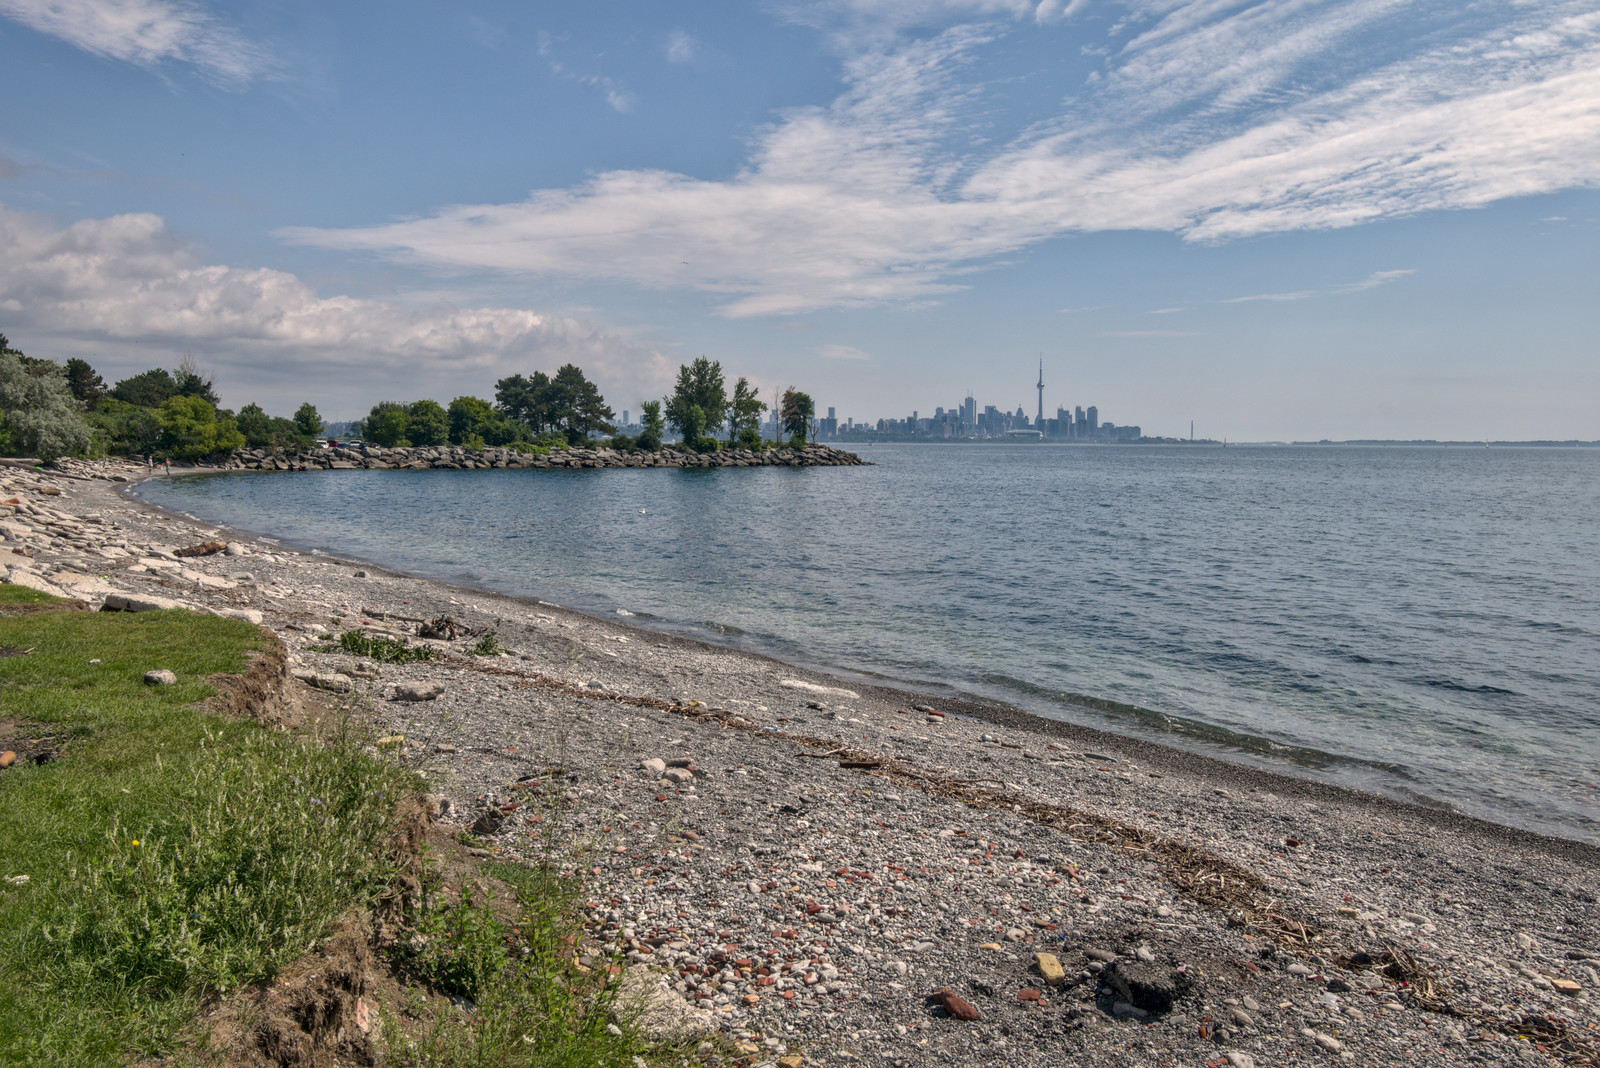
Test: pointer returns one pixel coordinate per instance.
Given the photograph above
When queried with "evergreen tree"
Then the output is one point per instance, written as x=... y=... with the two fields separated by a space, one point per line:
x=149 y=389
x=193 y=382
x=87 y=386
x=578 y=409
x=527 y=400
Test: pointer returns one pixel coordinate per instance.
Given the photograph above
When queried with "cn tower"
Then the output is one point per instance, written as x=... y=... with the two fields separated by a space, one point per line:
x=1040 y=423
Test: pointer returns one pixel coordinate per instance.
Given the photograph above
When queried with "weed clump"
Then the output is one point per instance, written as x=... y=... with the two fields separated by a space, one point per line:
x=382 y=649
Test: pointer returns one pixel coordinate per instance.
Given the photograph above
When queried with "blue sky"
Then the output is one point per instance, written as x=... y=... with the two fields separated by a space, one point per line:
x=1281 y=219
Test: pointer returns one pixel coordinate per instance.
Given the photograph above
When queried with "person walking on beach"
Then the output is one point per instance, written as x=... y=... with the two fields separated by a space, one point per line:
x=169 y=467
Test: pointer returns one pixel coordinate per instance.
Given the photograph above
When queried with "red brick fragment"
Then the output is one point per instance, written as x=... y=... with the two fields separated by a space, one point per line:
x=951 y=1002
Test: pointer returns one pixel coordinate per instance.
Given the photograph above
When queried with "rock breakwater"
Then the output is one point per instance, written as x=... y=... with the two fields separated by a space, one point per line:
x=456 y=458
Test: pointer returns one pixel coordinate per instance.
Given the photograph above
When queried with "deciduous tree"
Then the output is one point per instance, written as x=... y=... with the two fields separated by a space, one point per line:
x=699 y=385
x=307 y=420
x=794 y=412
x=387 y=425
x=654 y=426
x=427 y=423
x=190 y=429
x=744 y=414
x=256 y=426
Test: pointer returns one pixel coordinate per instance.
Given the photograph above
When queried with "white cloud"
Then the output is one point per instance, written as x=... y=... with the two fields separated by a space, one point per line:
x=842 y=352
x=1299 y=294
x=1372 y=281
x=127 y=279
x=147 y=33
x=680 y=47
x=618 y=96
x=1214 y=121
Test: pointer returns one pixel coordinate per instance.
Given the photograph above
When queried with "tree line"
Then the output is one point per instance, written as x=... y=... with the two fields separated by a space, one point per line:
x=49 y=409
x=540 y=410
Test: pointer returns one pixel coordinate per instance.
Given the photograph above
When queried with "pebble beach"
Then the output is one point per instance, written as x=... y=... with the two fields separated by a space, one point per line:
x=809 y=866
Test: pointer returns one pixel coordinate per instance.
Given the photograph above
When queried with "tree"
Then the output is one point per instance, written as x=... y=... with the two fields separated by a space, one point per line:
x=699 y=385
x=794 y=412
x=744 y=414
x=87 y=386
x=387 y=425
x=38 y=414
x=469 y=418
x=255 y=425
x=190 y=429
x=578 y=409
x=654 y=425
x=307 y=420
x=147 y=390
x=427 y=423
x=526 y=400
x=692 y=426
x=193 y=382
x=127 y=428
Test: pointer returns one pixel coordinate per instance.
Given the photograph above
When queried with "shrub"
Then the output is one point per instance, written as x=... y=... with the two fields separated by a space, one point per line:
x=38 y=414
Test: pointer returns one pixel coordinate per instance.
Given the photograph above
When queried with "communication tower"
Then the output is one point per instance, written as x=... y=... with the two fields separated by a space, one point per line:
x=1040 y=423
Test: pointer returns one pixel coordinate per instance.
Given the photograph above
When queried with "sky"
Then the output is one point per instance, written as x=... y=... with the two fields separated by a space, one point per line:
x=1281 y=219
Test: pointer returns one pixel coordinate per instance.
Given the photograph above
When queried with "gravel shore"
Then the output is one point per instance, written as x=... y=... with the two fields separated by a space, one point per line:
x=850 y=873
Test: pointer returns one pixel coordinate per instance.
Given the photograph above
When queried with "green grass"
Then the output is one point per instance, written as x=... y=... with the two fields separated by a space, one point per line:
x=533 y=1006
x=21 y=595
x=171 y=853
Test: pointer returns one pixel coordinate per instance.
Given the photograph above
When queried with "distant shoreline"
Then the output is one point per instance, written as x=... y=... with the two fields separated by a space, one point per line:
x=1420 y=443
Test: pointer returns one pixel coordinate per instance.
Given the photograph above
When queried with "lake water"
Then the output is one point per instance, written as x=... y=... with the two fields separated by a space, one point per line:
x=1419 y=621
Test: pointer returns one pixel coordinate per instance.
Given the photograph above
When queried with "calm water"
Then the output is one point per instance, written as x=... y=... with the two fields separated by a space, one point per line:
x=1424 y=622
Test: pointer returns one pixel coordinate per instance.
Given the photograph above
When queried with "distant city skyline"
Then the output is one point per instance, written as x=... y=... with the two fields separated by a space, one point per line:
x=1345 y=220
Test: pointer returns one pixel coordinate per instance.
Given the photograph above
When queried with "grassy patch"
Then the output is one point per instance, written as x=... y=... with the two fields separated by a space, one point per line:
x=170 y=853
x=22 y=597
x=534 y=1006
x=383 y=649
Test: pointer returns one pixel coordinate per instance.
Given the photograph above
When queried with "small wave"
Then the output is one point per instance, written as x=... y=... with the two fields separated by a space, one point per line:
x=721 y=628
x=1209 y=735
x=1462 y=687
